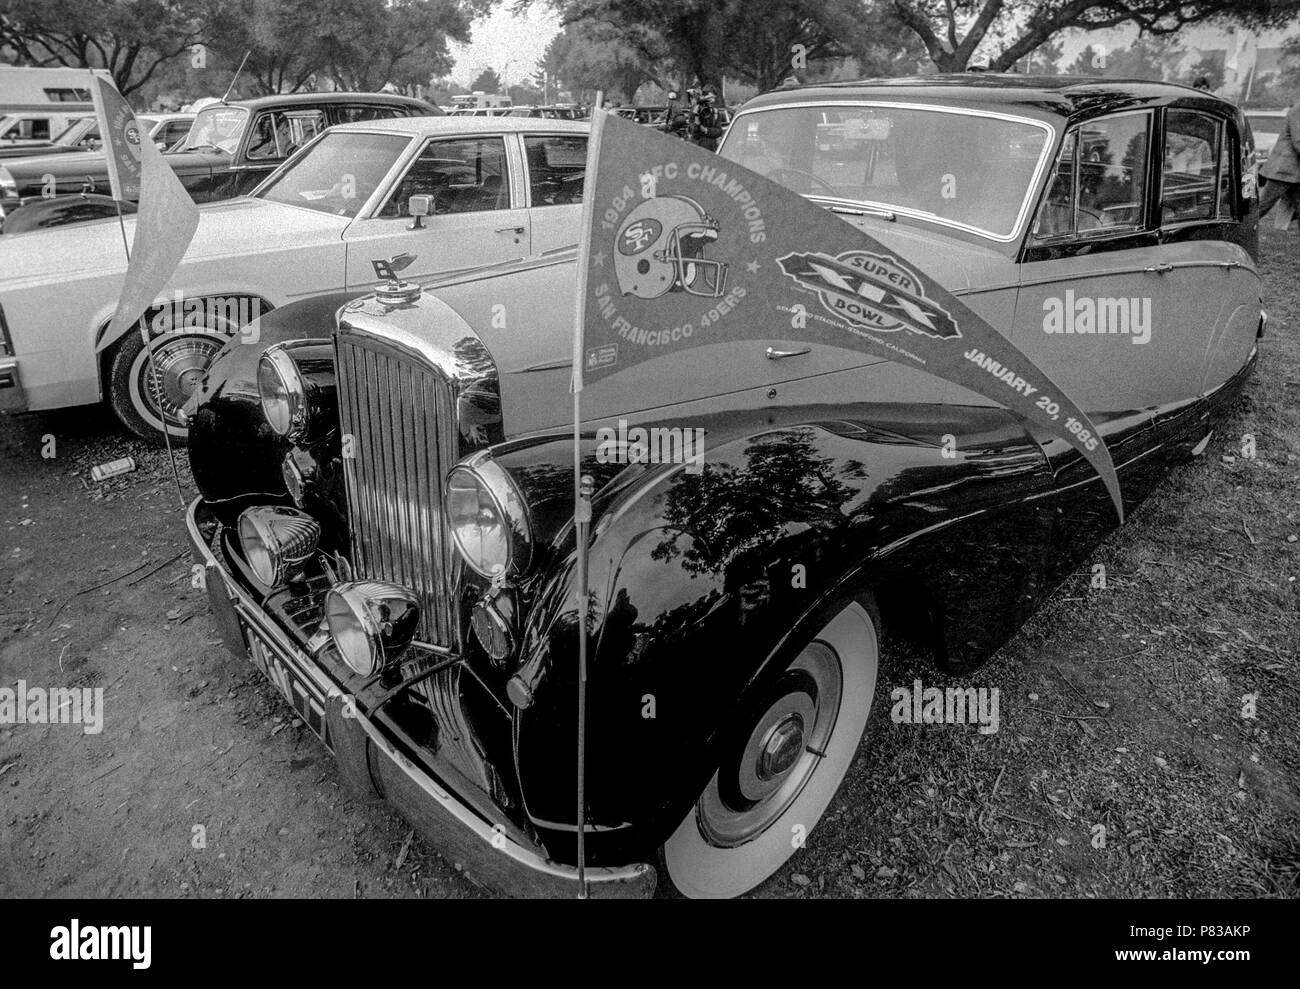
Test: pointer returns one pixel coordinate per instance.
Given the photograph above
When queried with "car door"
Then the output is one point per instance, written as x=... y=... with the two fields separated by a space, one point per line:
x=1104 y=308
x=479 y=215
x=1210 y=273
x=555 y=165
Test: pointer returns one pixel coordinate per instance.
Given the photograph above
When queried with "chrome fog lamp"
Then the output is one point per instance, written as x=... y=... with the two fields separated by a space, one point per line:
x=487 y=518
x=277 y=541
x=371 y=622
x=284 y=398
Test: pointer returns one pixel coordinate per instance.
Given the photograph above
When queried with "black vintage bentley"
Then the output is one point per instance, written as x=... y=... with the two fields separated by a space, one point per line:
x=387 y=513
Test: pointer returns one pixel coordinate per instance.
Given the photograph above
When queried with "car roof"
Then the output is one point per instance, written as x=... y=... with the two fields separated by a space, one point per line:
x=1061 y=96
x=419 y=126
x=315 y=99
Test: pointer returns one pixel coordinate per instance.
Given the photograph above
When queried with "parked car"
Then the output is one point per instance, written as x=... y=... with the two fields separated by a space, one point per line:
x=229 y=149
x=386 y=510
x=642 y=114
x=60 y=210
x=164 y=129
x=549 y=112
x=497 y=189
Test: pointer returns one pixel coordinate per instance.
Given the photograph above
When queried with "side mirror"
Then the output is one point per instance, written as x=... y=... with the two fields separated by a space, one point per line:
x=419 y=207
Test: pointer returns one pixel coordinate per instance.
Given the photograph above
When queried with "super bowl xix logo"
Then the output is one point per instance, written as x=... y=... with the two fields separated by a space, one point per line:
x=875 y=291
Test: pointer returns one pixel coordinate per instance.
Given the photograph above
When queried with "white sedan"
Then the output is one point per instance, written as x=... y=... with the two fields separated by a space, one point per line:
x=499 y=188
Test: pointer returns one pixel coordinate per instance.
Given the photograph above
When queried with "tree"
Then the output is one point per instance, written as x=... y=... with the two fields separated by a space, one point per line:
x=758 y=42
x=1210 y=67
x=588 y=56
x=486 y=81
x=1089 y=62
x=129 y=38
x=953 y=31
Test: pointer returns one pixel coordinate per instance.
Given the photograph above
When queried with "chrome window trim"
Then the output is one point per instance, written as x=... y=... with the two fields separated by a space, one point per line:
x=370 y=211
x=1099 y=234
x=1221 y=128
x=528 y=172
x=1049 y=147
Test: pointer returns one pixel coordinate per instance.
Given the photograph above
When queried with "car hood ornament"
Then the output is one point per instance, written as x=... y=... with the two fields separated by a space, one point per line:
x=395 y=291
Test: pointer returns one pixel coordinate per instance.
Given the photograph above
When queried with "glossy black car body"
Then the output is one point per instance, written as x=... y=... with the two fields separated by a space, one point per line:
x=208 y=174
x=837 y=473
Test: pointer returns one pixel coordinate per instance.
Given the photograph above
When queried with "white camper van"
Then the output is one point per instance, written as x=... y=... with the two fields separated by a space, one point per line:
x=37 y=104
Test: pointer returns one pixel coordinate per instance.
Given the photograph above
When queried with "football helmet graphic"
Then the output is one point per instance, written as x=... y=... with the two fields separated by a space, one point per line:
x=660 y=249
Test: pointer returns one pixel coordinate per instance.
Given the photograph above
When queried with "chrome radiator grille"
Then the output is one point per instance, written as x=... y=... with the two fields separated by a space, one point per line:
x=398 y=420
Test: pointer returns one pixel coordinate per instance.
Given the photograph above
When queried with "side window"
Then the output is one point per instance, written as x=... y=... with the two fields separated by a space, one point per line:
x=31 y=129
x=1193 y=152
x=353 y=114
x=556 y=165
x=1099 y=187
x=279 y=133
x=177 y=130
x=463 y=175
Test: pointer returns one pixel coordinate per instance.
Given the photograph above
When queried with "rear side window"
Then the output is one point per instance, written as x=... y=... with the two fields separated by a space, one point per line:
x=556 y=164
x=1191 y=188
x=28 y=129
x=353 y=114
x=1099 y=185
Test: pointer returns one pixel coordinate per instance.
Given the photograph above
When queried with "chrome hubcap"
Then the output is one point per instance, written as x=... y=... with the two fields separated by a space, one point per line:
x=759 y=779
x=781 y=748
x=178 y=368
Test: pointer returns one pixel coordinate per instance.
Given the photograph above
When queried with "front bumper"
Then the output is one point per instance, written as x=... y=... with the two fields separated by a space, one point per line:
x=486 y=849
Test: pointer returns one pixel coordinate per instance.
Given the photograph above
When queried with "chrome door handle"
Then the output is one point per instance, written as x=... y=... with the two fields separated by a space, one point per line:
x=510 y=230
x=1159 y=269
x=776 y=355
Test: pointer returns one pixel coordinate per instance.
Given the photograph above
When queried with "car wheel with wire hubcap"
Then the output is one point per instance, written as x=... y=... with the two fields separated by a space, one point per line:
x=148 y=398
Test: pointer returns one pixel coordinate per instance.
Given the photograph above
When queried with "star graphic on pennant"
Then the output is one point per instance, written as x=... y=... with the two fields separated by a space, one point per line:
x=753 y=267
x=598 y=259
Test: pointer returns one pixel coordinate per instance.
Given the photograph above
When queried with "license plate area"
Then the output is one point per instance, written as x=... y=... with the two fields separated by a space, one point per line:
x=295 y=686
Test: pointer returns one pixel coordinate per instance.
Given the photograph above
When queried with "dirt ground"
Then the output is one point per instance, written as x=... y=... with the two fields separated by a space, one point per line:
x=1120 y=707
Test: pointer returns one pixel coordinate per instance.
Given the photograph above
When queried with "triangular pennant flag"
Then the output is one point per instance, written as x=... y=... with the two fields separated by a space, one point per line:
x=167 y=218
x=671 y=230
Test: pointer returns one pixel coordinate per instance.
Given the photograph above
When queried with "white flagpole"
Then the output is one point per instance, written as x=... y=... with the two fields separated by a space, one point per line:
x=582 y=483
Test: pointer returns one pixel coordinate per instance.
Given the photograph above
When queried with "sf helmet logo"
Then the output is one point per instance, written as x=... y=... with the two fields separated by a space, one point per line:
x=636 y=237
x=661 y=249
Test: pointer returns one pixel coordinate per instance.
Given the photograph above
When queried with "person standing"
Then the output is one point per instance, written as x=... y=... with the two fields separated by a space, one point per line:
x=706 y=121
x=1281 y=172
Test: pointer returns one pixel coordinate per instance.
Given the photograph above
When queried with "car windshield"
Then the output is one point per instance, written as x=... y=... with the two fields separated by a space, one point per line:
x=972 y=170
x=218 y=127
x=337 y=174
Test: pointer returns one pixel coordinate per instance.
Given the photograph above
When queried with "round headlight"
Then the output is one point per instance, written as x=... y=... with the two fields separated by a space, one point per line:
x=371 y=622
x=284 y=399
x=486 y=515
x=277 y=541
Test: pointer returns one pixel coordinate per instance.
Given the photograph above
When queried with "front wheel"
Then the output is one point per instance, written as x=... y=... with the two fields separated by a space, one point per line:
x=787 y=758
x=146 y=399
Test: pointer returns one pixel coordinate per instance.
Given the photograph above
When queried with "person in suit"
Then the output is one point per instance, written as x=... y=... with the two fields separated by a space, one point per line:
x=1281 y=172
